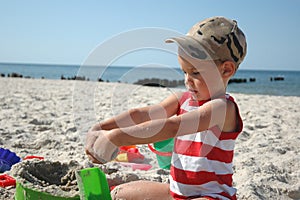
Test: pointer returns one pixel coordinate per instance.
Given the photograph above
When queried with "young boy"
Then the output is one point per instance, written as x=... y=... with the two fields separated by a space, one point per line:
x=204 y=121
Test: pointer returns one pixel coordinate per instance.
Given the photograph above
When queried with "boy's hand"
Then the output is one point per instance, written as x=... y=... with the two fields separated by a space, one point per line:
x=99 y=148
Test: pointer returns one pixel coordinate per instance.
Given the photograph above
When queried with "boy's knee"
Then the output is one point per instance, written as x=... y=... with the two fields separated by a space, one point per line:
x=137 y=190
x=115 y=193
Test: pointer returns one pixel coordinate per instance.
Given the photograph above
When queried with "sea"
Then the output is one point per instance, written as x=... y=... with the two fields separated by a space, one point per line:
x=263 y=81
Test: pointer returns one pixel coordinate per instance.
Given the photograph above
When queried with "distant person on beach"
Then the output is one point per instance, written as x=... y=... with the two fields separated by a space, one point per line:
x=204 y=121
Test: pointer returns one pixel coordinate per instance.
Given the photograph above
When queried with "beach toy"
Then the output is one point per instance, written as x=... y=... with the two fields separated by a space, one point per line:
x=25 y=193
x=4 y=166
x=92 y=184
x=163 y=151
x=6 y=180
x=33 y=157
x=126 y=148
x=7 y=159
x=130 y=154
x=135 y=166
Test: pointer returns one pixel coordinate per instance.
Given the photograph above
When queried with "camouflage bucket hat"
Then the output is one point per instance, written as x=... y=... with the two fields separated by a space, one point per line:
x=215 y=38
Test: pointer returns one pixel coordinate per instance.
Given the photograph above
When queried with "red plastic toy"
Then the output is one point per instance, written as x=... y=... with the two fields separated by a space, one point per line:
x=33 y=157
x=6 y=180
x=130 y=154
x=126 y=148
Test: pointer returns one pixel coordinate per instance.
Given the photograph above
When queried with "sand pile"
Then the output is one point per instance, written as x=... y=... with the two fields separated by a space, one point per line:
x=55 y=178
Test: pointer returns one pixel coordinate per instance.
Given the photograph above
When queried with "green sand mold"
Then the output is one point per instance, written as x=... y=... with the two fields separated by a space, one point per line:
x=93 y=184
x=24 y=193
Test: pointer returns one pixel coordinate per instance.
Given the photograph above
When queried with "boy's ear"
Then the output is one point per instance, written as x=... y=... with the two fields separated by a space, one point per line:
x=228 y=69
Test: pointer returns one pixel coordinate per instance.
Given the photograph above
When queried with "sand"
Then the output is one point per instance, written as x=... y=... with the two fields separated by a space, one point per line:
x=55 y=178
x=50 y=117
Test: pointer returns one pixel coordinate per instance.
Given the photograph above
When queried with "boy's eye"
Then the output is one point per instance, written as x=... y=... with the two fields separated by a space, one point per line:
x=196 y=73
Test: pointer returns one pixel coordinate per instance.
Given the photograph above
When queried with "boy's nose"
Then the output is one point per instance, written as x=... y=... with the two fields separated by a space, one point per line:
x=188 y=79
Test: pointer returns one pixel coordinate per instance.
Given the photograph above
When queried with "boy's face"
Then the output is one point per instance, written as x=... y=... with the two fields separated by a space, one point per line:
x=202 y=78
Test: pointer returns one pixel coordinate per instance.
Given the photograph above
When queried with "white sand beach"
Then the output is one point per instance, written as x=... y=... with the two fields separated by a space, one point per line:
x=49 y=118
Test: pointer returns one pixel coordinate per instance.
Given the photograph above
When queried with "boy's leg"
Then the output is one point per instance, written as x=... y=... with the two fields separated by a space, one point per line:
x=140 y=190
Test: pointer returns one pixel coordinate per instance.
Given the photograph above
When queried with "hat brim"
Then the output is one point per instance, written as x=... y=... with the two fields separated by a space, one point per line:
x=191 y=47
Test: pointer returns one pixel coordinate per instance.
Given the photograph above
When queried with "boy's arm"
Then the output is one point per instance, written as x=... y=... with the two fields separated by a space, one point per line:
x=165 y=109
x=103 y=145
x=214 y=113
x=100 y=148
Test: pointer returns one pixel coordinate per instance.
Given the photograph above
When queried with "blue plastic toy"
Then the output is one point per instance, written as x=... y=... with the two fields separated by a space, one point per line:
x=7 y=159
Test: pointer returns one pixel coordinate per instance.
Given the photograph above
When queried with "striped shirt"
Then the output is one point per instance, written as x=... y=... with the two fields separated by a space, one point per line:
x=202 y=162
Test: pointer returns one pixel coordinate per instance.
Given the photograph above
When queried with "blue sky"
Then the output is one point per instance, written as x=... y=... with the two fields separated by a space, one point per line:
x=66 y=32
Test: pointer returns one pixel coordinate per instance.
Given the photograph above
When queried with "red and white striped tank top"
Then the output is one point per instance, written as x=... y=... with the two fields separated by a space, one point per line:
x=202 y=162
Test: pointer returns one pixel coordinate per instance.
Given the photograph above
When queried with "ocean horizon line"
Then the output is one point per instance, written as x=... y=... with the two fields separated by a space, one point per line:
x=127 y=66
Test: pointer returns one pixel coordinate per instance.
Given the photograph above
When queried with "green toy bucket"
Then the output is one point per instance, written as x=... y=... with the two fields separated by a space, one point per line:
x=25 y=193
x=163 y=151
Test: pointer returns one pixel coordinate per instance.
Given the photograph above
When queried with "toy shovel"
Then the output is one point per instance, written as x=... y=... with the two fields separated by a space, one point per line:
x=92 y=184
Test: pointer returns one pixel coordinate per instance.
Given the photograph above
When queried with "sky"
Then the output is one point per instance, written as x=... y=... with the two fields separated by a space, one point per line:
x=68 y=31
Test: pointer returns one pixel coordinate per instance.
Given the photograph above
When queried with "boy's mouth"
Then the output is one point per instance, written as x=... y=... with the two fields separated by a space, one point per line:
x=192 y=90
